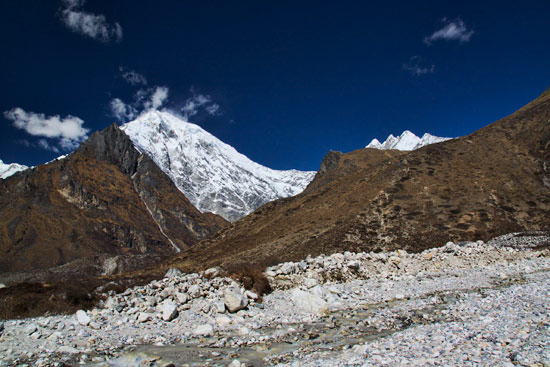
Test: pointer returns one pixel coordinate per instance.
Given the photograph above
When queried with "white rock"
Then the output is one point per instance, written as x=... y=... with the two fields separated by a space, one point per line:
x=68 y=350
x=235 y=363
x=204 y=330
x=212 y=272
x=223 y=321
x=173 y=273
x=243 y=331
x=110 y=303
x=169 y=311
x=31 y=328
x=308 y=302
x=82 y=317
x=144 y=317
x=2 y=285
x=219 y=306
x=310 y=282
x=194 y=290
x=234 y=299
x=251 y=295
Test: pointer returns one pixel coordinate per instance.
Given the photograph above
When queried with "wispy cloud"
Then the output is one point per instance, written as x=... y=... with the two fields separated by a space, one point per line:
x=67 y=132
x=91 y=25
x=144 y=99
x=416 y=67
x=132 y=76
x=198 y=101
x=454 y=30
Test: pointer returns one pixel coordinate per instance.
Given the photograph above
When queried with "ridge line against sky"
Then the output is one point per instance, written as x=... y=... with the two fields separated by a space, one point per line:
x=294 y=122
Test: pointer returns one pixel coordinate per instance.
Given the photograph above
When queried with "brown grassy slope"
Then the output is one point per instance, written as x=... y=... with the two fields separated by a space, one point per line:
x=475 y=187
x=94 y=202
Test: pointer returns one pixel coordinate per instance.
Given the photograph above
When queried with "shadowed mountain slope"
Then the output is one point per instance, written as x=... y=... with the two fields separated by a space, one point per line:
x=103 y=199
x=492 y=182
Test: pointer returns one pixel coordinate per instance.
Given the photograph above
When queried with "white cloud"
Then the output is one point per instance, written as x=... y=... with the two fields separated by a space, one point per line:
x=91 y=25
x=454 y=30
x=42 y=143
x=415 y=67
x=68 y=131
x=144 y=100
x=133 y=77
x=193 y=104
x=157 y=98
x=121 y=110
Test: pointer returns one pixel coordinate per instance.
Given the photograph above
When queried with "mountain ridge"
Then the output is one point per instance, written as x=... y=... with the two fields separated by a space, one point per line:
x=407 y=141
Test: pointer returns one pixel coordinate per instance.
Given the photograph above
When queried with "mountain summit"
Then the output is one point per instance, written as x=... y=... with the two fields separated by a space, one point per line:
x=407 y=141
x=212 y=175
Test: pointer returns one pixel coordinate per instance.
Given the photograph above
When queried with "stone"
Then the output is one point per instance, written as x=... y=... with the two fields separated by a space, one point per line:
x=143 y=317
x=67 y=350
x=1 y=326
x=310 y=282
x=2 y=285
x=204 y=330
x=110 y=265
x=82 y=317
x=251 y=295
x=194 y=291
x=308 y=302
x=223 y=321
x=243 y=331
x=30 y=329
x=169 y=311
x=182 y=298
x=173 y=273
x=219 y=306
x=212 y=272
x=235 y=363
x=234 y=300
x=110 y=303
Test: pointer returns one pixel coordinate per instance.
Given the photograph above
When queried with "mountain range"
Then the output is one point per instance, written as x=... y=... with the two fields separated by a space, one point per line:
x=131 y=194
x=406 y=141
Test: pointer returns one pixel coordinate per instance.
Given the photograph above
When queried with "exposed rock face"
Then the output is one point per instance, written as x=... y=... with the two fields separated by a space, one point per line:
x=104 y=198
x=491 y=182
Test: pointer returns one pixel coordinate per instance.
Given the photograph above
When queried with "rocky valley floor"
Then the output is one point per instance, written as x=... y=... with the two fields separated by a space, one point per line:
x=465 y=304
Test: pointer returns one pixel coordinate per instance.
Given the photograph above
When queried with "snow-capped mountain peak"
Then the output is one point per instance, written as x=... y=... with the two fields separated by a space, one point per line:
x=6 y=170
x=406 y=141
x=213 y=175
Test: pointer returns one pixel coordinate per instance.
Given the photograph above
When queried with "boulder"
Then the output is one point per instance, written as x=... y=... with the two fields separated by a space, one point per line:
x=204 y=330
x=234 y=300
x=169 y=311
x=308 y=302
x=82 y=317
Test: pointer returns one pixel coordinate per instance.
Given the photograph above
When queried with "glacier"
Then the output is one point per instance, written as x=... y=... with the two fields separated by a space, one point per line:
x=213 y=175
x=406 y=141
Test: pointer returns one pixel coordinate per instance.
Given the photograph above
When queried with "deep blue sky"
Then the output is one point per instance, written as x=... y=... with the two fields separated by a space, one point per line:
x=292 y=79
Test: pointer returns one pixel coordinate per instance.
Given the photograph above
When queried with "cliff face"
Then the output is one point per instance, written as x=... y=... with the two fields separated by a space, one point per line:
x=103 y=199
x=491 y=182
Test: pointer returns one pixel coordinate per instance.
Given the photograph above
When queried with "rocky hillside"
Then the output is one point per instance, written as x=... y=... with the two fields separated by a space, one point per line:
x=492 y=182
x=105 y=199
x=212 y=175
